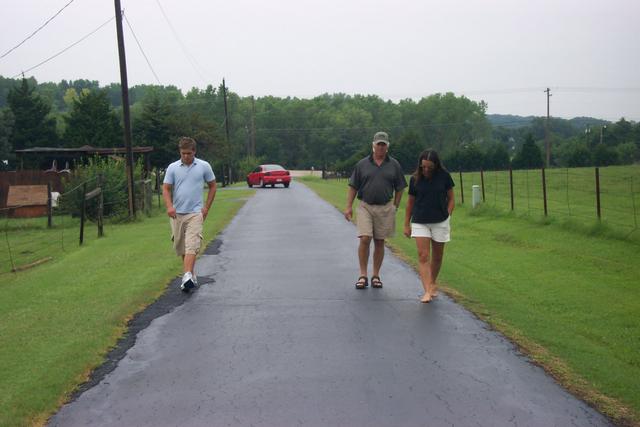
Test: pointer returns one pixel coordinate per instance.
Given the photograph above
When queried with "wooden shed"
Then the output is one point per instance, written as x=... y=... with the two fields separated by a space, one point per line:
x=27 y=201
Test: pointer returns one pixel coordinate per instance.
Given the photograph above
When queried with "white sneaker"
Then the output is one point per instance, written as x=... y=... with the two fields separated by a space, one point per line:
x=194 y=279
x=187 y=282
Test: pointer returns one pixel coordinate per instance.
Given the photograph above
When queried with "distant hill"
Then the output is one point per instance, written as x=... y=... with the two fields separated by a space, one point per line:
x=510 y=121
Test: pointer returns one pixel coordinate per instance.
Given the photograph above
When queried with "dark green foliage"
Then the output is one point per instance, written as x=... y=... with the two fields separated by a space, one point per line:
x=497 y=157
x=32 y=126
x=407 y=150
x=529 y=156
x=93 y=122
x=603 y=155
x=6 y=123
x=469 y=157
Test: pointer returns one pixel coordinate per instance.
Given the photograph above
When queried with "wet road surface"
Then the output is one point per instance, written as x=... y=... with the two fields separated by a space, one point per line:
x=280 y=337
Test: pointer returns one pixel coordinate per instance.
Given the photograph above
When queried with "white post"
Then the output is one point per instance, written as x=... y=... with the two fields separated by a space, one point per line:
x=475 y=193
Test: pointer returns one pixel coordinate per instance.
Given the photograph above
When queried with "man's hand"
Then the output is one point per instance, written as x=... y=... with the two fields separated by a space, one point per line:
x=171 y=212
x=348 y=213
x=205 y=212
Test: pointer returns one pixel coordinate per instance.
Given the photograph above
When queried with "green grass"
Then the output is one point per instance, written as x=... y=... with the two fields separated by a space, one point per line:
x=58 y=320
x=568 y=297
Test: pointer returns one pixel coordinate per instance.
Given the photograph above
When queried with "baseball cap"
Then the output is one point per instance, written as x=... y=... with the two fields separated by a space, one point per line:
x=381 y=137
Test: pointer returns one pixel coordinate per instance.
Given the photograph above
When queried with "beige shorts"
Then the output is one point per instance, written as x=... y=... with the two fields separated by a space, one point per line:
x=438 y=232
x=186 y=233
x=377 y=221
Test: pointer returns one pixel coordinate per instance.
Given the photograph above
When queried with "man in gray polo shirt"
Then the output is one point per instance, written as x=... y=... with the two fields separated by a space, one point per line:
x=182 y=193
x=378 y=181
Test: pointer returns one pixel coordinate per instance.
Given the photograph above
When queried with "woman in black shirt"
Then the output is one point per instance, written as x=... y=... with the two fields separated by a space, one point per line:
x=429 y=208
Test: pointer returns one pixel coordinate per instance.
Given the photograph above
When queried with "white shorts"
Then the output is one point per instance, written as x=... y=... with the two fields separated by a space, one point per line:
x=439 y=232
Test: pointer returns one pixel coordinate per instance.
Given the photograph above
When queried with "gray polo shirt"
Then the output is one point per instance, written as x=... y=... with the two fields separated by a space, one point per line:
x=376 y=184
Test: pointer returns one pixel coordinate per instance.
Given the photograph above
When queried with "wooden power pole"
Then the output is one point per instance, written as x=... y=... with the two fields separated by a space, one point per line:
x=226 y=127
x=252 y=149
x=125 y=109
x=547 y=142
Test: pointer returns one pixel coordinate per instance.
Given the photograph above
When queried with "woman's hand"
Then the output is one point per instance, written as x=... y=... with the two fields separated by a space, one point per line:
x=407 y=231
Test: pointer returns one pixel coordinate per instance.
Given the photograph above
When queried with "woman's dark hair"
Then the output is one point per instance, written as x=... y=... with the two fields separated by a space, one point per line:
x=428 y=155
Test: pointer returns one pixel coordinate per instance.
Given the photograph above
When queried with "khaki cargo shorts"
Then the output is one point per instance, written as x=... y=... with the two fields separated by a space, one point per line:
x=377 y=221
x=186 y=233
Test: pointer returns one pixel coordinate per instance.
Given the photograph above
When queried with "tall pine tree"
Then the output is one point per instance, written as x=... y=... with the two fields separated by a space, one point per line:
x=32 y=127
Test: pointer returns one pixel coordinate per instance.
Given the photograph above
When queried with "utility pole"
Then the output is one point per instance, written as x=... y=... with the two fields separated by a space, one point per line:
x=602 y=128
x=125 y=108
x=226 y=126
x=252 y=149
x=547 y=143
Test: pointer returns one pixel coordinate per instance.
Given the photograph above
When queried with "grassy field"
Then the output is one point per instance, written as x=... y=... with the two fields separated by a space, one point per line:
x=569 y=299
x=571 y=194
x=58 y=320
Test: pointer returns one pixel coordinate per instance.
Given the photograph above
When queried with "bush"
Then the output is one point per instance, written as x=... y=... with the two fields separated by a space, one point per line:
x=112 y=173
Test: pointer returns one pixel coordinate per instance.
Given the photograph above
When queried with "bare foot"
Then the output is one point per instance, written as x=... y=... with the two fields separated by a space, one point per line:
x=434 y=292
x=426 y=298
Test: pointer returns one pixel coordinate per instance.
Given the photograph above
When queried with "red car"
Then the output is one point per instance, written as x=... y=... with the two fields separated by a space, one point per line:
x=271 y=175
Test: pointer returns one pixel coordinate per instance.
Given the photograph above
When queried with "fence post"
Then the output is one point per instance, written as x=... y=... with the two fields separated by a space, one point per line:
x=461 y=188
x=100 y=206
x=598 y=193
x=82 y=214
x=158 y=188
x=482 y=183
x=511 y=185
x=49 y=206
x=544 y=191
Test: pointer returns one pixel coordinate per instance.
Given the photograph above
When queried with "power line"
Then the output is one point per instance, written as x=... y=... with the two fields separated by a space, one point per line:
x=141 y=50
x=65 y=49
x=192 y=60
x=38 y=29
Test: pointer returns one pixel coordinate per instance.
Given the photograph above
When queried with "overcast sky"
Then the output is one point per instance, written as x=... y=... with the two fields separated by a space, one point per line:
x=504 y=52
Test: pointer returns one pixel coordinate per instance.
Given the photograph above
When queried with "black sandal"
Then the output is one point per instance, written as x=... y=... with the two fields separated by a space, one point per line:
x=376 y=282
x=362 y=284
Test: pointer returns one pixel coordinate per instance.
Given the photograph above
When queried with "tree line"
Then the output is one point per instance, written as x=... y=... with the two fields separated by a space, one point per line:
x=330 y=131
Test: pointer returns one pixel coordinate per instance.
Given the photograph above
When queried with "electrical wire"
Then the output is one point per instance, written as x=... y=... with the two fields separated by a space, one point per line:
x=34 y=33
x=142 y=50
x=192 y=60
x=65 y=49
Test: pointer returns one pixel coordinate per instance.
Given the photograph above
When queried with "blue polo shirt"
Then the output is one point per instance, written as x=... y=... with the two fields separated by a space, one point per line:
x=187 y=182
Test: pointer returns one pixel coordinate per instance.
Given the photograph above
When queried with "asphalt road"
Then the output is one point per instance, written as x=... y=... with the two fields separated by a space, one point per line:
x=280 y=337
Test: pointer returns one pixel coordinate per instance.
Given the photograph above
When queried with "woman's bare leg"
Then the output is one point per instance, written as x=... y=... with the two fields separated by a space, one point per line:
x=424 y=268
x=437 y=253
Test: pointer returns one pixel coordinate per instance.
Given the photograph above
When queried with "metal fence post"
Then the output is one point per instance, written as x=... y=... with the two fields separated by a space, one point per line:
x=482 y=183
x=461 y=189
x=49 y=206
x=544 y=191
x=82 y=212
x=511 y=185
x=598 y=193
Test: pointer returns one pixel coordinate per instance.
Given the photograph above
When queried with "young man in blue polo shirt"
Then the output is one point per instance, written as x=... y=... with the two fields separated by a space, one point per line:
x=182 y=193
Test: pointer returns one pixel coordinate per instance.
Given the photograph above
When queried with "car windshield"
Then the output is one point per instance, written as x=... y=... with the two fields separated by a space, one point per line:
x=267 y=168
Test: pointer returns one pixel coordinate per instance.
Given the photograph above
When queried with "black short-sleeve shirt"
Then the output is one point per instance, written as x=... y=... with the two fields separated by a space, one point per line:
x=375 y=184
x=431 y=197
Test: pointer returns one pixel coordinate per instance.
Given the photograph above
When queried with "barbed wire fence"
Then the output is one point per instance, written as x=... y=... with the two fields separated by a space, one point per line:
x=608 y=195
x=27 y=242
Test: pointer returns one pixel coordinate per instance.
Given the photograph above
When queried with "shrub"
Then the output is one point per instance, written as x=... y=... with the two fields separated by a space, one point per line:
x=113 y=176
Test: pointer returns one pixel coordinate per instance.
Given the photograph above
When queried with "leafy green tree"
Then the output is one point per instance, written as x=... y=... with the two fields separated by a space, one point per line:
x=628 y=153
x=33 y=126
x=603 y=155
x=497 y=157
x=158 y=127
x=92 y=121
x=574 y=153
x=529 y=156
x=407 y=150
x=7 y=158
